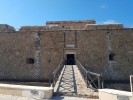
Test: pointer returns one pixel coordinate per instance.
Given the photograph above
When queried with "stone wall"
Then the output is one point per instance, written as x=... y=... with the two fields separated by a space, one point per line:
x=95 y=47
x=15 y=48
x=106 y=51
x=52 y=44
x=92 y=50
x=45 y=48
x=122 y=46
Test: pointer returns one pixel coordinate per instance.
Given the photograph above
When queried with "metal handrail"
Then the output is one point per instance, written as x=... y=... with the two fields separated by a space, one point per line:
x=56 y=73
x=87 y=75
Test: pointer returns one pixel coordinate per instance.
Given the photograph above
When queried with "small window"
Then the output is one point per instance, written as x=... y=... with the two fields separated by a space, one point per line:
x=49 y=61
x=111 y=56
x=29 y=61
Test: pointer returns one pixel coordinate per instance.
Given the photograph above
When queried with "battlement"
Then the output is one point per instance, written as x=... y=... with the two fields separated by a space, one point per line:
x=74 y=21
x=79 y=24
x=31 y=28
x=41 y=28
x=103 y=26
x=71 y=25
x=6 y=28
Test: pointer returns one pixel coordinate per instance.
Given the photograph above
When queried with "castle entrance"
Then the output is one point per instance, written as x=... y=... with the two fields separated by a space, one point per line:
x=70 y=59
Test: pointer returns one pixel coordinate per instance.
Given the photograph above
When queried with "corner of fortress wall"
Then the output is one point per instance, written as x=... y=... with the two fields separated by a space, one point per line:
x=6 y=28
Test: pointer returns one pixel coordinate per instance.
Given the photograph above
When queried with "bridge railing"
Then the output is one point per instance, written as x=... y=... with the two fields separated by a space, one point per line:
x=131 y=83
x=92 y=79
x=56 y=73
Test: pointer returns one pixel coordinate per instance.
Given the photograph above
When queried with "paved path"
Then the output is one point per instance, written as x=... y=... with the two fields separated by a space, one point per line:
x=66 y=83
x=9 y=97
x=70 y=98
x=71 y=83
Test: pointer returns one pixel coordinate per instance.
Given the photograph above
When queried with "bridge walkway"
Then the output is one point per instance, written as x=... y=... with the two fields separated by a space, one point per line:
x=71 y=82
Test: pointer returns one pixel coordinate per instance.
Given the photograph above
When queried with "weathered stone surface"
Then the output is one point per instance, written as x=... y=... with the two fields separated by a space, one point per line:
x=41 y=28
x=6 y=28
x=103 y=26
x=91 y=47
x=71 y=24
x=15 y=48
x=26 y=91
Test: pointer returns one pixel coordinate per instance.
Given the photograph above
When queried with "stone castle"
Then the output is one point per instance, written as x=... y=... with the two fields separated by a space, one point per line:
x=33 y=52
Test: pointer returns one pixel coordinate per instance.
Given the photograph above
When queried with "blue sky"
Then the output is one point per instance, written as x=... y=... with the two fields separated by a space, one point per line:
x=36 y=12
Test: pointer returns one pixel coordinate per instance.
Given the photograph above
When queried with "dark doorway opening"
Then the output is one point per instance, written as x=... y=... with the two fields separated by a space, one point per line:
x=70 y=59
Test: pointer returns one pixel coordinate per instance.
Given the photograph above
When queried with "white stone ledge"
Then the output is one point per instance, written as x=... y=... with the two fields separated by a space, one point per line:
x=117 y=92
x=112 y=94
x=27 y=91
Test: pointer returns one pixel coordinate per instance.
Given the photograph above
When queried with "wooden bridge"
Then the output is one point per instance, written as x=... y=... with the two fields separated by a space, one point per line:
x=75 y=80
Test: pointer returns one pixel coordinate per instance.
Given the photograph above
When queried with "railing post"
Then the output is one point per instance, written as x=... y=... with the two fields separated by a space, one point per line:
x=102 y=81
x=53 y=81
x=56 y=73
x=99 y=85
x=131 y=83
x=86 y=75
x=87 y=79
